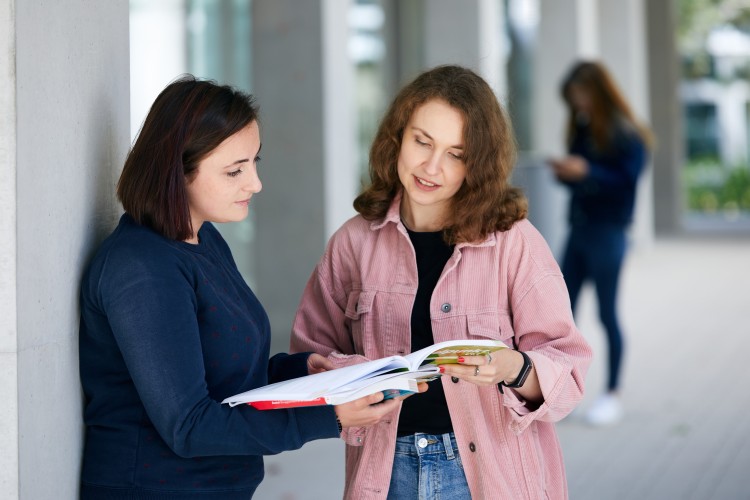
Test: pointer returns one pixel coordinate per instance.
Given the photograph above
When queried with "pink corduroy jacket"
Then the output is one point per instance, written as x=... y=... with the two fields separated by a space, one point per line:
x=357 y=306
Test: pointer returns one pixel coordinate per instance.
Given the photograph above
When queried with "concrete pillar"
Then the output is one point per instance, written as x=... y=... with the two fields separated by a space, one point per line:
x=8 y=256
x=567 y=32
x=302 y=78
x=64 y=133
x=665 y=115
x=623 y=50
x=468 y=33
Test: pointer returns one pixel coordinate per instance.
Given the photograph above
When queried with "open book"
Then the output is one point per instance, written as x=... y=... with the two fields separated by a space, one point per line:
x=393 y=375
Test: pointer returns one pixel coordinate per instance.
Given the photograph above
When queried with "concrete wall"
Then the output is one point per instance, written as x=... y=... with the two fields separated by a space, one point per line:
x=66 y=85
x=8 y=323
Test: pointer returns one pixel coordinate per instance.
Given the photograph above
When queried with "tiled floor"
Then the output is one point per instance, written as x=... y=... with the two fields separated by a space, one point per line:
x=686 y=432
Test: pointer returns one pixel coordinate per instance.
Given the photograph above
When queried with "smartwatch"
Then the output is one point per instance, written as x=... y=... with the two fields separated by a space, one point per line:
x=522 y=375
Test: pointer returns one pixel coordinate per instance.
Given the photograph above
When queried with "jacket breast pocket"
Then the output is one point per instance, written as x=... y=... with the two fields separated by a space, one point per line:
x=491 y=326
x=359 y=315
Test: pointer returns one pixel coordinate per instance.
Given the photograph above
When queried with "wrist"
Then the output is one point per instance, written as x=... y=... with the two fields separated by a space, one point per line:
x=522 y=374
x=338 y=423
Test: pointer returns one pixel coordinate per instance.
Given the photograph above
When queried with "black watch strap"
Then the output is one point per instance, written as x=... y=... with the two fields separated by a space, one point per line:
x=522 y=375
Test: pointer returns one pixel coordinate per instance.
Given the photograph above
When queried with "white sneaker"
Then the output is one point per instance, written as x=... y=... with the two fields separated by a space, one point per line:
x=606 y=410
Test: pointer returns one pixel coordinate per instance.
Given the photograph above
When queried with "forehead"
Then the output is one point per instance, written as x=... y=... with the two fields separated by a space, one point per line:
x=437 y=114
x=240 y=144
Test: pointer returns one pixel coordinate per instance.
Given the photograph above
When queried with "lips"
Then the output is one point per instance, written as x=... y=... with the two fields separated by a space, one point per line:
x=425 y=185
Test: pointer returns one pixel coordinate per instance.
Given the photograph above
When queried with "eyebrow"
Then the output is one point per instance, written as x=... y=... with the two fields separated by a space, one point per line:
x=244 y=160
x=461 y=146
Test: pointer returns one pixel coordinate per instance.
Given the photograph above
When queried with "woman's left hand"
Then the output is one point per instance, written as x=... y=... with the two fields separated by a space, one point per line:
x=318 y=364
x=571 y=168
x=502 y=365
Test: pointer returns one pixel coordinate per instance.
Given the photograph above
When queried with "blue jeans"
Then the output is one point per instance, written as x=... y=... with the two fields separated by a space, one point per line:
x=427 y=466
x=596 y=253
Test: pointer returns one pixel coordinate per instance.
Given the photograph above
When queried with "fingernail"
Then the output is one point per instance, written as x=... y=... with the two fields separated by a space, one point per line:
x=460 y=359
x=441 y=368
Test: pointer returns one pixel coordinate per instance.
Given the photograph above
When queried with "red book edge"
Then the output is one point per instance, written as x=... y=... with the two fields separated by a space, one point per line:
x=279 y=404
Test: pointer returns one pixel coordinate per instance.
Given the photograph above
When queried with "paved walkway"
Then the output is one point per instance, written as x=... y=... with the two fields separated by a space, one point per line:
x=686 y=433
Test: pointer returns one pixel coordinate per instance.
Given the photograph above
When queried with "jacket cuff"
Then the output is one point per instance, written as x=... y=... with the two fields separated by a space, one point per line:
x=551 y=377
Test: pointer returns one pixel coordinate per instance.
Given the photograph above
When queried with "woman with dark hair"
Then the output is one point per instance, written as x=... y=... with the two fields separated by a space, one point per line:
x=441 y=250
x=607 y=151
x=169 y=328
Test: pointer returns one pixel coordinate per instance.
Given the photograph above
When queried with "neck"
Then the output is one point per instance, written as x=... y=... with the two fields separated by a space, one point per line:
x=422 y=221
x=196 y=225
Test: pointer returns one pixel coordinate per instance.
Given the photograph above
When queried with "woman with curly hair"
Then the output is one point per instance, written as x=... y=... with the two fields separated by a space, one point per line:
x=441 y=250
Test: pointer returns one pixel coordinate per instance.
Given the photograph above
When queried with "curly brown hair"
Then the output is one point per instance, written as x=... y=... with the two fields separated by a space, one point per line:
x=486 y=202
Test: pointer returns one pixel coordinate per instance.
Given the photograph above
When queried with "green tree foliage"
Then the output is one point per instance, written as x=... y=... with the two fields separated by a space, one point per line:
x=696 y=19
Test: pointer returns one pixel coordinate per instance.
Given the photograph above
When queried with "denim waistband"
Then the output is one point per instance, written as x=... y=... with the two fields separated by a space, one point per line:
x=426 y=444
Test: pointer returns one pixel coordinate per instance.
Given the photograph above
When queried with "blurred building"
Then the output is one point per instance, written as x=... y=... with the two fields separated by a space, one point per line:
x=77 y=77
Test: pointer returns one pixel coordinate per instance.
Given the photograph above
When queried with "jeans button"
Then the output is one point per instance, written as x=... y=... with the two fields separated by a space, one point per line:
x=445 y=307
x=472 y=448
x=454 y=380
x=422 y=442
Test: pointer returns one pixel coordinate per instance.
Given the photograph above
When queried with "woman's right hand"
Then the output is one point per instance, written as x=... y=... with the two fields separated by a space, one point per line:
x=369 y=410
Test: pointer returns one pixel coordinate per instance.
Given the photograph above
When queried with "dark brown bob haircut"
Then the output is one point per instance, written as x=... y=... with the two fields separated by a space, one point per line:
x=187 y=121
x=609 y=108
x=485 y=202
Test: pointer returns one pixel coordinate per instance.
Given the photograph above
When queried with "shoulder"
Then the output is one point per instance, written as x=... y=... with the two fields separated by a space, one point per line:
x=357 y=245
x=135 y=250
x=211 y=237
x=627 y=134
x=352 y=234
x=525 y=245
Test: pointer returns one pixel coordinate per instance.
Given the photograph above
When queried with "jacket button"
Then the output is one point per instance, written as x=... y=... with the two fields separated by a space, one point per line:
x=445 y=307
x=472 y=448
x=454 y=380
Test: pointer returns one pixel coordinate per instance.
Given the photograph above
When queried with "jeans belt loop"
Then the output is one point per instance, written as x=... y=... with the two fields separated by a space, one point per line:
x=448 y=446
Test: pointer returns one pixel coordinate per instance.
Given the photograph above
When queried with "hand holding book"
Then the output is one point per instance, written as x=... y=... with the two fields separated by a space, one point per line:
x=342 y=385
x=370 y=409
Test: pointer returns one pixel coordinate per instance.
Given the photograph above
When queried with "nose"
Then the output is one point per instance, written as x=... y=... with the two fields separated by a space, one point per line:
x=432 y=165
x=253 y=182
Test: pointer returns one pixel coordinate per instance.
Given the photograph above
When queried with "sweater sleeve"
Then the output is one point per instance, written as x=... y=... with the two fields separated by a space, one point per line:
x=287 y=366
x=617 y=173
x=151 y=309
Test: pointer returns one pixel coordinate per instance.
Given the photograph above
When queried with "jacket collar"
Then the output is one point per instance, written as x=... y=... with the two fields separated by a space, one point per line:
x=394 y=216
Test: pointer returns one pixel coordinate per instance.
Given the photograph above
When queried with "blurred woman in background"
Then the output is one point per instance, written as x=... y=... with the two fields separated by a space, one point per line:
x=607 y=151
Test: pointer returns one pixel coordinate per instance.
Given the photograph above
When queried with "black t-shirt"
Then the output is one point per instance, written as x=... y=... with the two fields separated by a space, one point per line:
x=426 y=412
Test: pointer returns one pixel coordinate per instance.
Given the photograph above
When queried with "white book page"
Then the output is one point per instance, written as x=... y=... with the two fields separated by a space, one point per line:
x=319 y=384
x=405 y=385
x=427 y=372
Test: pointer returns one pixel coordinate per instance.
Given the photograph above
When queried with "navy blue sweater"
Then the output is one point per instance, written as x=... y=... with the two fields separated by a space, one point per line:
x=168 y=330
x=607 y=194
